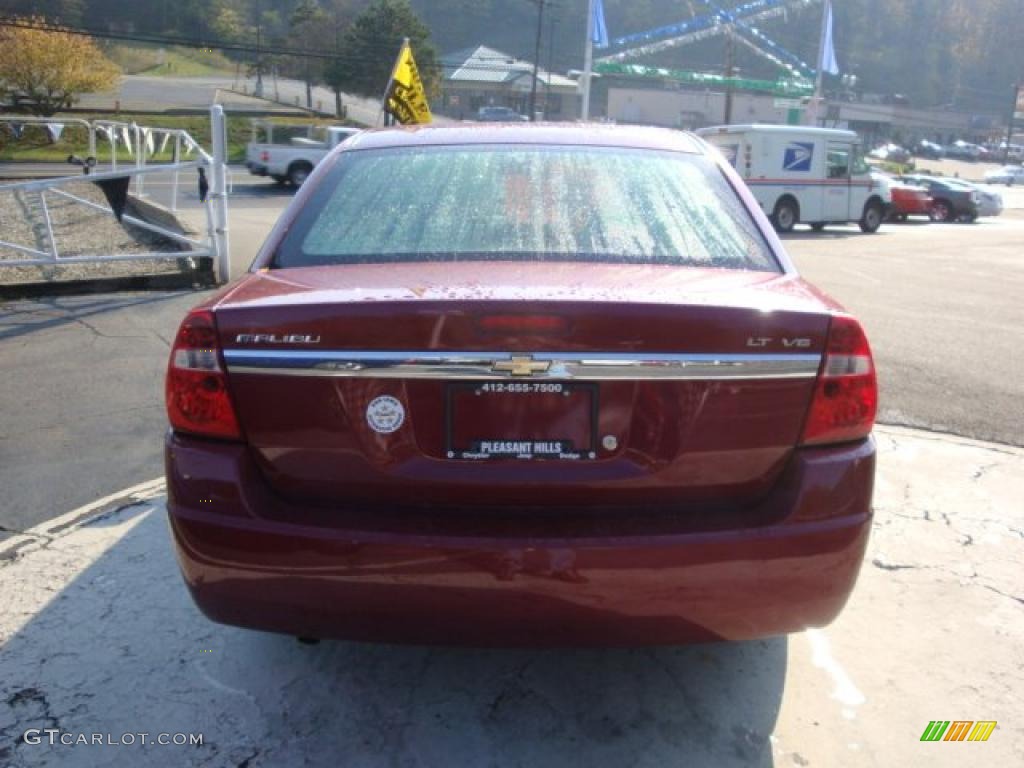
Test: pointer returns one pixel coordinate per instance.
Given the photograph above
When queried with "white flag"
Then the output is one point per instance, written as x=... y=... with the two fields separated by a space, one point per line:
x=126 y=137
x=163 y=142
x=148 y=140
x=54 y=130
x=827 y=52
x=17 y=129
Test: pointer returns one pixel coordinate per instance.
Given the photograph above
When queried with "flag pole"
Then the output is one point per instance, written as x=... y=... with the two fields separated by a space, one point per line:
x=819 y=80
x=391 y=79
x=588 y=62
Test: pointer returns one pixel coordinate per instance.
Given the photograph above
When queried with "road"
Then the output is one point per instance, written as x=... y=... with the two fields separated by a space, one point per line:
x=146 y=93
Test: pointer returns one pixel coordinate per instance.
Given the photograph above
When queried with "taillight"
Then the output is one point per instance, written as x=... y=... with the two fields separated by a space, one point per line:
x=197 y=387
x=265 y=156
x=846 y=393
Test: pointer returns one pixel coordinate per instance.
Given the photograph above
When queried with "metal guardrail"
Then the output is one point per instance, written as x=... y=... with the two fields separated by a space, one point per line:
x=215 y=242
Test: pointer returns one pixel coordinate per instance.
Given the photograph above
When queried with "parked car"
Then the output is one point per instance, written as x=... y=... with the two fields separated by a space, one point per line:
x=963 y=150
x=1008 y=175
x=950 y=201
x=990 y=201
x=666 y=439
x=294 y=161
x=500 y=115
x=930 y=150
x=902 y=199
x=1015 y=153
x=892 y=153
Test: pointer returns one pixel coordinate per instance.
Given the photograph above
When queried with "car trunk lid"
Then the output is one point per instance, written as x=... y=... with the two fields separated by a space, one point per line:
x=541 y=385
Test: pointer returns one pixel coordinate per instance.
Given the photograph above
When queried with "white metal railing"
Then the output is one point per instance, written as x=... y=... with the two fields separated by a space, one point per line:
x=133 y=136
x=215 y=242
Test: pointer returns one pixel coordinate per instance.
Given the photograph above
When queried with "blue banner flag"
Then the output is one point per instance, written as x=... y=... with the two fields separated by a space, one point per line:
x=827 y=53
x=598 y=29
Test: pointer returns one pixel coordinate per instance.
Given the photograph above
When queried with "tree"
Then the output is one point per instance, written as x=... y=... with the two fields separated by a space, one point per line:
x=43 y=69
x=228 y=24
x=307 y=28
x=369 y=48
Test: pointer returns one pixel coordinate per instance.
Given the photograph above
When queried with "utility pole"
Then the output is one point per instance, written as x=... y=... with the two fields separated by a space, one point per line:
x=730 y=68
x=588 y=63
x=552 y=20
x=1013 y=120
x=536 y=59
x=258 y=91
x=337 y=49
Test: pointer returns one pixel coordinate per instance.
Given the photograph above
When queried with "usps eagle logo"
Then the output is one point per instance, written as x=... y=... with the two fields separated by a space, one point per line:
x=798 y=156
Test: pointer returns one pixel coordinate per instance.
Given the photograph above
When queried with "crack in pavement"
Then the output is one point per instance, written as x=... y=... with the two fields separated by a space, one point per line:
x=964 y=579
x=878 y=563
x=28 y=698
x=97 y=332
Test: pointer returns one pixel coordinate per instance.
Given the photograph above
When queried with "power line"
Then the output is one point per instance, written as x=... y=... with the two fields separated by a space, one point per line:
x=262 y=50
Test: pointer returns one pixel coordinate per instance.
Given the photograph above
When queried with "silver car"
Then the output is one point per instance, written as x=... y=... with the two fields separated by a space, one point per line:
x=990 y=201
x=1008 y=175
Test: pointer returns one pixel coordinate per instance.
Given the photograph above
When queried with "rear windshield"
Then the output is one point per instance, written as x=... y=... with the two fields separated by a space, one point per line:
x=549 y=203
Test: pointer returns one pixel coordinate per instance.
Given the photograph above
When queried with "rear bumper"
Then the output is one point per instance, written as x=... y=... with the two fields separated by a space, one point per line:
x=247 y=564
x=256 y=169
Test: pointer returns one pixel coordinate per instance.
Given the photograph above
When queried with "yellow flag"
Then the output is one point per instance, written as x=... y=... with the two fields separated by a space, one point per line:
x=406 y=99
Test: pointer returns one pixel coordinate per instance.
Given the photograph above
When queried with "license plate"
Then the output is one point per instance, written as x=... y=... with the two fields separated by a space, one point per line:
x=523 y=420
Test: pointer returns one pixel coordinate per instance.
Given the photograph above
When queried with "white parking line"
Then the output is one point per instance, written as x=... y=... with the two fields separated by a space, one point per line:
x=845 y=692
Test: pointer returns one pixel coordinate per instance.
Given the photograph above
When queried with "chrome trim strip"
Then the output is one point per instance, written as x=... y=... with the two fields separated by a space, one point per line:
x=588 y=366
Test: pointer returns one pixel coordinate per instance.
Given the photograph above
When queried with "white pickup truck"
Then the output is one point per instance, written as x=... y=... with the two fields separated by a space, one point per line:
x=294 y=161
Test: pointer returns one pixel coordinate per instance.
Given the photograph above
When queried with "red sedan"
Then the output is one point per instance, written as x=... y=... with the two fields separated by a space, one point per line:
x=521 y=385
x=909 y=201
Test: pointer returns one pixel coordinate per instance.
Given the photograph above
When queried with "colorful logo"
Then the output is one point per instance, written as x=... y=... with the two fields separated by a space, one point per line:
x=958 y=730
x=798 y=156
x=731 y=153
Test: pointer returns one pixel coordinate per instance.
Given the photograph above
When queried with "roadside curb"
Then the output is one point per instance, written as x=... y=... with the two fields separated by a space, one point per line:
x=39 y=536
x=947 y=437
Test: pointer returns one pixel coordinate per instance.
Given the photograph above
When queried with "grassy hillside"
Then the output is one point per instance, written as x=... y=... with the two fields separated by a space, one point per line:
x=146 y=59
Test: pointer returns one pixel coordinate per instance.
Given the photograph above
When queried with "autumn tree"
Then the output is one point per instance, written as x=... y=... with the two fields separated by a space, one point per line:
x=43 y=69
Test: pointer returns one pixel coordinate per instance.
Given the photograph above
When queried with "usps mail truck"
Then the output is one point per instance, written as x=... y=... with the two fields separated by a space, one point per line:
x=812 y=175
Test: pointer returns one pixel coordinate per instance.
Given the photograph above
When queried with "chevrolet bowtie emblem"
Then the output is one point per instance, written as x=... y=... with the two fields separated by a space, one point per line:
x=521 y=366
